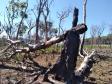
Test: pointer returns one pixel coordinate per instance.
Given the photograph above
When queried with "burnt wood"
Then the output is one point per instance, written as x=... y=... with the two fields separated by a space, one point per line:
x=64 y=68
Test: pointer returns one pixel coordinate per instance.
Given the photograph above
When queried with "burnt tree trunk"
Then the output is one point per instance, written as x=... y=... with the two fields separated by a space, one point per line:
x=64 y=68
x=70 y=51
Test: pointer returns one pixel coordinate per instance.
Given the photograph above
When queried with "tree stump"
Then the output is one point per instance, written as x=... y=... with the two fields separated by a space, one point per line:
x=64 y=68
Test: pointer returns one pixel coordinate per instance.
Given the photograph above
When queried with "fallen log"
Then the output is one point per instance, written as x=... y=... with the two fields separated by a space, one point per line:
x=22 y=68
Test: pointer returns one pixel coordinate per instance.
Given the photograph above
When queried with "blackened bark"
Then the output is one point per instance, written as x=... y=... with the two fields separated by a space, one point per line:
x=67 y=63
x=71 y=47
x=64 y=68
x=75 y=17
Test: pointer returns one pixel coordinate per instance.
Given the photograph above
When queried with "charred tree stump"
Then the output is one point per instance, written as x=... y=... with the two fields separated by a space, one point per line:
x=67 y=62
x=70 y=54
x=64 y=68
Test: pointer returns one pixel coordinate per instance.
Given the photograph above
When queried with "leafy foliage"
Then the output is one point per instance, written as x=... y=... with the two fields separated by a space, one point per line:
x=16 y=11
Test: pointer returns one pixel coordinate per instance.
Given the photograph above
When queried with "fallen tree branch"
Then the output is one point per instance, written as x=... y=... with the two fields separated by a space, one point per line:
x=7 y=66
x=31 y=48
x=85 y=68
x=84 y=64
x=10 y=45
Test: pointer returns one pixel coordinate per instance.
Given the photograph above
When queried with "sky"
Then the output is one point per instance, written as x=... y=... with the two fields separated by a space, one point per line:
x=98 y=12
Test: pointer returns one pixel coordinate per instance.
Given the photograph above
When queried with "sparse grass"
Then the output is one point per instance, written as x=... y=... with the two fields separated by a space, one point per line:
x=97 y=46
x=52 y=49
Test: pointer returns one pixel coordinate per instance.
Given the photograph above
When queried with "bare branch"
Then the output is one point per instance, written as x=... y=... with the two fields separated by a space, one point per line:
x=6 y=66
x=84 y=64
x=62 y=15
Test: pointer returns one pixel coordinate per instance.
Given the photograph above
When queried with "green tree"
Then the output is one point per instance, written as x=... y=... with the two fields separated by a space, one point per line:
x=16 y=13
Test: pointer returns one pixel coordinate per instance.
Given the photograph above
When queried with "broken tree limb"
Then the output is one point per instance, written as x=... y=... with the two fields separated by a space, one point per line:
x=85 y=68
x=85 y=64
x=10 y=45
x=75 y=17
x=31 y=48
x=7 y=66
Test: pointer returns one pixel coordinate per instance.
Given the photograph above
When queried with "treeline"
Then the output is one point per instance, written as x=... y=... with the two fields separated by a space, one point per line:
x=103 y=40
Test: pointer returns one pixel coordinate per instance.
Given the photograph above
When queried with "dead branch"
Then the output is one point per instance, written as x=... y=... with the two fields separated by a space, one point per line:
x=85 y=68
x=62 y=15
x=84 y=64
x=31 y=48
x=7 y=66
x=10 y=45
x=84 y=21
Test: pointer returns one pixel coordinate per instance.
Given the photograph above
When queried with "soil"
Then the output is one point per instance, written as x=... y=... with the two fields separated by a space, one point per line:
x=101 y=71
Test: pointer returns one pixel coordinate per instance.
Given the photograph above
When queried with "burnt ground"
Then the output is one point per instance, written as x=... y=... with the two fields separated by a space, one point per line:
x=101 y=71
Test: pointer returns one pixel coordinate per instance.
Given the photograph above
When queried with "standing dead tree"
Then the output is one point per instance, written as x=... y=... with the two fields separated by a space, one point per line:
x=46 y=12
x=64 y=69
x=40 y=7
x=42 y=12
x=62 y=16
x=82 y=52
x=96 y=32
